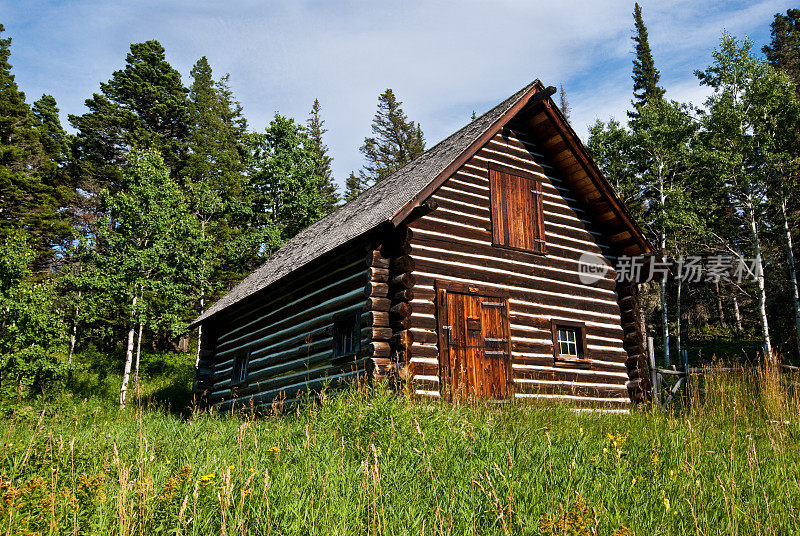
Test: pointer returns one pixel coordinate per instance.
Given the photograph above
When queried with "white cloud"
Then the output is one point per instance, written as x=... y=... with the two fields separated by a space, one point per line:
x=443 y=59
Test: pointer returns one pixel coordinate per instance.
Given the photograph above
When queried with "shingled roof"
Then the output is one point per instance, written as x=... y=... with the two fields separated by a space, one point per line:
x=375 y=206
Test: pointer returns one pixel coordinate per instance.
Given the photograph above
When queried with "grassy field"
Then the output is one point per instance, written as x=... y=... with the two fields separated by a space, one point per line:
x=370 y=461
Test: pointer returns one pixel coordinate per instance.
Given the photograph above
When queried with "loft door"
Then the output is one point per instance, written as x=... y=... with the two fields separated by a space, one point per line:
x=474 y=356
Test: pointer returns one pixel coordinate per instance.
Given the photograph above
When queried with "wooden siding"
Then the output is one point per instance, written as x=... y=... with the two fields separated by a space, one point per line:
x=454 y=243
x=289 y=334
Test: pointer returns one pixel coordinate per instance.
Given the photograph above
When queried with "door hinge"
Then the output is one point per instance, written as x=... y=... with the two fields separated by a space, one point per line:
x=493 y=304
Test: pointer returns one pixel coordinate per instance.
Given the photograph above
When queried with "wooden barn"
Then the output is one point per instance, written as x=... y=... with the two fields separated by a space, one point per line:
x=459 y=274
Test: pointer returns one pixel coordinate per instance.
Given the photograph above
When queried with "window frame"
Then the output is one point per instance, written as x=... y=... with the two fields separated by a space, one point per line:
x=498 y=208
x=348 y=324
x=240 y=372
x=582 y=358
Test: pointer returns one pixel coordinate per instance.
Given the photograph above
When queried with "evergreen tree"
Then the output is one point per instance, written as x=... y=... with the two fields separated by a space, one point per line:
x=27 y=200
x=645 y=75
x=214 y=173
x=395 y=141
x=285 y=190
x=354 y=185
x=215 y=179
x=142 y=105
x=55 y=171
x=53 y=136
x=566 y=109
x=316 y=129
x=783 y=52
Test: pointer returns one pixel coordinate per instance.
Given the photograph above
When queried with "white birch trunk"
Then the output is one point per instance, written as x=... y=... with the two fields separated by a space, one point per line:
x=737 y=316
x=73 y=338
x=126 y=375
x=792 y=272
x=762 y=292
x=199 y=336
x=663 y=292
x=678 y=329
x=202 y=296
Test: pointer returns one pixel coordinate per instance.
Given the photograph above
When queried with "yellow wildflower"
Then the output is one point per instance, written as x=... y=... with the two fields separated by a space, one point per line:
x=207 y=479
x=666 y=504
x=275 y=449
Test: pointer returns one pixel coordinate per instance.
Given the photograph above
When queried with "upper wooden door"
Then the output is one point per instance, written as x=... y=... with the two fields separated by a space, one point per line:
x=474 y=356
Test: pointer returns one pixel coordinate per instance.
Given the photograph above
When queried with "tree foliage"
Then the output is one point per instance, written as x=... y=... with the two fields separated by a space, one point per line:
x=282 y=163
x=31 y=328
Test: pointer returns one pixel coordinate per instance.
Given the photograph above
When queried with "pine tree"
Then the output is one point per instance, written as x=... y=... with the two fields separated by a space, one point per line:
x=214 y=176
x=316 y=129
x=27 y=200
x=55 y=171
x=142 y=105
x=783 y=52
x=53 y=136
x=645 y=75
x=566 y=109
x=395 y=141
x=354 y=185
x=214 y=168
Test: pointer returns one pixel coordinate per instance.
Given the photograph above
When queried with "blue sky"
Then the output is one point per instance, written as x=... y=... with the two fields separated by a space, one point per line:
x=443 y=59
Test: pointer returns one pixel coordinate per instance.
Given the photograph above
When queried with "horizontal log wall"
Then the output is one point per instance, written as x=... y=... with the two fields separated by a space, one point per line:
x=455 y=243
x=289 y=332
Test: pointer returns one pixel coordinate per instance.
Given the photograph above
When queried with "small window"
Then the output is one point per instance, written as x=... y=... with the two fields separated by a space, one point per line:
x=516 y=200
x=240 y=365
x=346 y=336
x=569 y=340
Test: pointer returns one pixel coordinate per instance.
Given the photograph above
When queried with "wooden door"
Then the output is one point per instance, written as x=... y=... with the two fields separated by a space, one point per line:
x=475 y=348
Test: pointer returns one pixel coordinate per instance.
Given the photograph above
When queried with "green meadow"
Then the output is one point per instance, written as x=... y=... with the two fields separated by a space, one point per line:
x=374 y=461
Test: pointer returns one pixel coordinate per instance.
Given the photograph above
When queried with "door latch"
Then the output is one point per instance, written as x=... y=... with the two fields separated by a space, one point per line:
x=449 y=331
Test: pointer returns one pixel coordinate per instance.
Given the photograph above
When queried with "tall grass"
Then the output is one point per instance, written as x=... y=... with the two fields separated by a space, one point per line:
x=372 y=461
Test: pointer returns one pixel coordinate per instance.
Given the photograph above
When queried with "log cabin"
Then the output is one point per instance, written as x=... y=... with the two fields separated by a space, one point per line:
x=459 y=275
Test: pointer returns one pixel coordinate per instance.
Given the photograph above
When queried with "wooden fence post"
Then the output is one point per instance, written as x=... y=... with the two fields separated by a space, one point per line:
x=654 y=378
